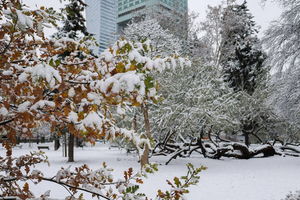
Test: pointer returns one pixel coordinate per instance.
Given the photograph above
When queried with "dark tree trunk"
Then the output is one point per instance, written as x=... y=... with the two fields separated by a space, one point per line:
x=71 y=148
x=65 y=145
x=56 y=143
x=247 y=140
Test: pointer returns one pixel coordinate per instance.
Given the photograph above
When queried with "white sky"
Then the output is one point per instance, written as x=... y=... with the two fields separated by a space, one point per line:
x=263 y=15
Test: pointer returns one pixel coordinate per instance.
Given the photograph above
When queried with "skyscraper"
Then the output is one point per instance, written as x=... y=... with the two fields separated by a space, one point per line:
x=127 y=9
x=101 y=20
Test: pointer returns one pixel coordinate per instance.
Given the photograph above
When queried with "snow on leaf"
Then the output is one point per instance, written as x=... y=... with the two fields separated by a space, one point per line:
x=3 y=111
x=24 y=106
x=46 y=72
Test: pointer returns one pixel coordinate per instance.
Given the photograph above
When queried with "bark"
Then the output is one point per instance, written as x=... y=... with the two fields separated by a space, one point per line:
x=71 y=148
x=56 y=143
x=134 y=122
x=65 y=145
x=247 y=141
x=145 y=156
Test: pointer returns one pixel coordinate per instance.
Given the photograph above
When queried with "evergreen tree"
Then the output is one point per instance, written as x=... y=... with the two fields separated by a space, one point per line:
x=242 y=59
x=74 y=23
x=241 y=54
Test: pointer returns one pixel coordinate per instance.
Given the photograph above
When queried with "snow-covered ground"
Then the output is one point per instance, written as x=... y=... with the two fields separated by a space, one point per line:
x=229 y=179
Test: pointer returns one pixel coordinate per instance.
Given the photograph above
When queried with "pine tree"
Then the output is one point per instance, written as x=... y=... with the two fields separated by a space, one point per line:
x=74 y=23
x=241 y=57
x=241 y=54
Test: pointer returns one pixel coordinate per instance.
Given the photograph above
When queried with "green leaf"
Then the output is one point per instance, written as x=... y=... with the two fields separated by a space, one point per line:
x=177 y=182
x=149 y=82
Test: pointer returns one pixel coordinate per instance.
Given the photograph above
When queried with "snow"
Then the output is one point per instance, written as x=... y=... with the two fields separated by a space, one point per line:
x=120 y=110
x=47 y=72
x=24 y=106
x=23 y=20
x=42 y=104
x=71 y=92
x=128 y=82
x=3 y=111
x=73 y=117
x=255 y=179
x=92 y=120
x=7 y=73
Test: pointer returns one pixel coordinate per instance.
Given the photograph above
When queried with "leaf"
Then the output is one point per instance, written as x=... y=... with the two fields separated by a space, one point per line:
x=138 y=180
x=130 y=170
x=26 y=188
x=149 y=82
x=120 y=68
x=177 y=182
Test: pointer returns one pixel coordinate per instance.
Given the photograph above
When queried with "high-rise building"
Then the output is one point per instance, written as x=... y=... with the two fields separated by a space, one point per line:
x=101 y=20
x=127 y=9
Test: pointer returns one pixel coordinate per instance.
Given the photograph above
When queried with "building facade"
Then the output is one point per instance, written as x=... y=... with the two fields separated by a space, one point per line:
x=127 y=9
x=101 y=20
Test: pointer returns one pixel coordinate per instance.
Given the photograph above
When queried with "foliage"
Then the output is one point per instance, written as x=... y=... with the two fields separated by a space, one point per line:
x=195 y=97
x=163 y=42
x=211 y=30
x=241 y=56
x=74 y=20
x=99 y=183
x=68 y=90
x=184 y=182
x=282 y=37
x=285 y=101
x=39 y=85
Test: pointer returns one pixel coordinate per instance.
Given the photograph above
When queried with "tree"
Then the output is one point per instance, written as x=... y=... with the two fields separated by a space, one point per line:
x=241 y=55
x=39 y=85
x=211 y=28
x=194 y=98
x=285 y=101
x=163 y=42
x=74 y=21
x=174 y=20
x=282 y=38
x=282 y=42
x=74 y=28
x=68 y=90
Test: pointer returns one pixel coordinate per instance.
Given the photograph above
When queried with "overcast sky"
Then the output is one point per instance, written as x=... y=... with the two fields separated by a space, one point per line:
x=263 y=15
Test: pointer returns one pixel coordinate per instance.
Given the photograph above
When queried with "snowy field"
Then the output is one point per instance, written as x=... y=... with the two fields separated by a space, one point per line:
x=229 y=179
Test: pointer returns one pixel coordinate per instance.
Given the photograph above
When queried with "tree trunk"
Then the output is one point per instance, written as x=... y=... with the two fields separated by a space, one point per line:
x=71 y=148
x=56 y=143
x=145 y=156
x=134 y=123
x=247 y=140
x=65 y=145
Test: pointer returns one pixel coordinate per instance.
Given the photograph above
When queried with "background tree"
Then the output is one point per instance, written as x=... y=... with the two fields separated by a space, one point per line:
x=74 y=28
x=282 y=42
x=198 y=99
x=211 y=30
x=241 y=55
x=282 y=38
x=163 y=42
